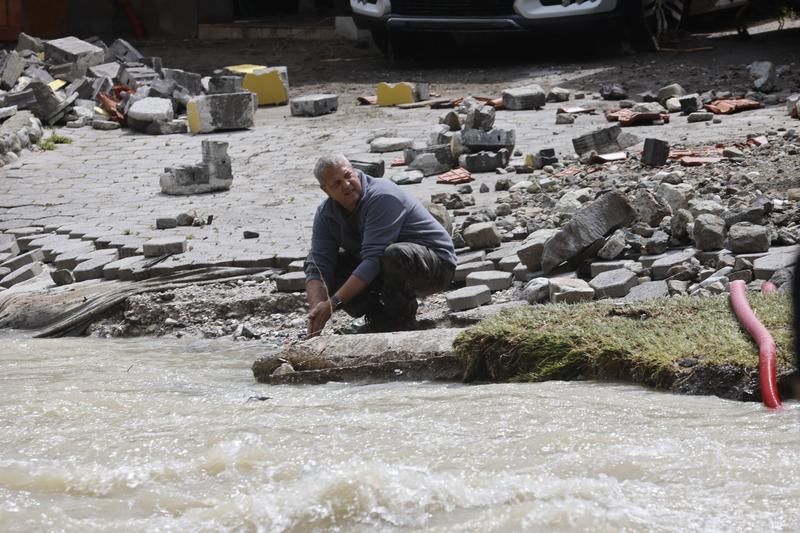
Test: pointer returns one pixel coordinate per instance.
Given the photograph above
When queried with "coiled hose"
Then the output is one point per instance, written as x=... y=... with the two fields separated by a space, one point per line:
x=767 y=359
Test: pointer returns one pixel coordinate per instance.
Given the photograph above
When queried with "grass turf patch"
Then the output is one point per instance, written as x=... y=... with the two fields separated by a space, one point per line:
x=654 y=343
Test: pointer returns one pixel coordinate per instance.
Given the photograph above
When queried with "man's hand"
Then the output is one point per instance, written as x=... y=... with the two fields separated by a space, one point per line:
x=318 y=317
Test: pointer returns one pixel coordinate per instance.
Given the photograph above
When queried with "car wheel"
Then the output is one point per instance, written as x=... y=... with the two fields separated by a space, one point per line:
x=651 y=20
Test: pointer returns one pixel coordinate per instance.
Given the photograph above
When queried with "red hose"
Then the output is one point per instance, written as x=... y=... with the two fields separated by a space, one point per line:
x=766 y=344
x=768 y=287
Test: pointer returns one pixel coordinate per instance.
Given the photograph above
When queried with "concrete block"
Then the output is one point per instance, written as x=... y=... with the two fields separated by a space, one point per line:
x=745 y=237
x=314 y=105
x=778 y=258
x=291 y=282
x=370 y=164
x=660 y=266
x=8 y=244
x=215 y=112
x=93 y=268
x=509 y=263
x=123 y=51
x=164 y=245
x=647 y=291
x=21 y=274
x=484 y=161
x=73 y=50
x=225 y=84
x=465 y=269
x=269 y=84
x=166 y=223
x=191 y=81
x=151 y=109
x=27 y=42
x=598 y=267
x=106 y=70
x=530 y=97
x=604 y=141
x=570 y=291
x=691 y=103
x=494 y=279
x=468 y=297
x=19 y=261
x=389 y=144
x=614 y=283
x=111 y=270
x=482 y=235
x=62 y=277
x=11 y=67
x=493 y=141
x=137 y=76
x=66 y=256
x=478 y=118
x=471 y=257
x=213 y=173
x=655 y=152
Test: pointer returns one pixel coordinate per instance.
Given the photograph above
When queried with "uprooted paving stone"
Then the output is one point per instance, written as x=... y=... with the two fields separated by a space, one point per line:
x=213 y=173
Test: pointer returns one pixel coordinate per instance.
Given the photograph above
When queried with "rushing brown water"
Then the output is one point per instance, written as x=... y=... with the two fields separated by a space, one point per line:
x=148 y=435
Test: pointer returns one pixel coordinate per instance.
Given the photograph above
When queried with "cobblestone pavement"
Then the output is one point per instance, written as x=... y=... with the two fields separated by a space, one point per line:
x=108 y=182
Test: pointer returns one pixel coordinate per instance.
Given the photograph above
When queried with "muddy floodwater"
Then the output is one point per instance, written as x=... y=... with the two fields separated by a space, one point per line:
x=145 y=435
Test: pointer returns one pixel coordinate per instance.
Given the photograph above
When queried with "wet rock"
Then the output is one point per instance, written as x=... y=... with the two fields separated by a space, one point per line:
x=591 y=223
x=745 y=237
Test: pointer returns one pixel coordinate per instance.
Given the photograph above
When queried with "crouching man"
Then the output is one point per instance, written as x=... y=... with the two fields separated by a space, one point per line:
x=374 y=250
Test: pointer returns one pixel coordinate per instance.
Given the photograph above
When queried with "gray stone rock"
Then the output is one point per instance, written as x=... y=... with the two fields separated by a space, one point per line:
x=648 y=107
x=677 y=196
x=213 y=173
x=441 y=215
x=530 y=97
x=370 y=164
x=482 y=235
x=655 y=152
x=745 y=237
x=19 y=261
x=111 y=270
x=657 y=244
x=93 y=268
x=604 y=141
x=465 y=269
x=673 y=105
x=570 y=291
x=709 y=232
x=11 y=68
x=106 y=70
x=777 y=259
x=537 y=291
x=493 y=140
x=409 y=177
x=661 y=266
x=166 y=223
x=73 y=50
x=8 y=244
x=389 y=144
x=647 y=291
x=191 y=81
x=762 y=75
x=700 y=116
x=680 y=225
x=650 y=208
x=27 y=42
x=565 y=118
x=673 y=90
x=558 y=94
x=691 y=103
x=480 y=118
x=314 y=105
x=62 y=277
x=598 y=267
x=105 y=125
x=530 y=251
x=591 y=223
x=494 y=279
x=452 y=120
x=430 y=164
x=468 y=297
x=484 y=161
x=124 y=51
x=24 y=273
x=225 y=84
x=613 y=247
x=614 y=283
x=164 y=245
x=291 y=282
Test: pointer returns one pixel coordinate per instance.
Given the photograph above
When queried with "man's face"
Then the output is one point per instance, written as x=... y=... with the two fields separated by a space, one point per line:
x=343 y=185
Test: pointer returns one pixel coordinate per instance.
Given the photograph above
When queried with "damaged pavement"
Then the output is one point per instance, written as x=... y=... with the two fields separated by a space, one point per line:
x=557 y=188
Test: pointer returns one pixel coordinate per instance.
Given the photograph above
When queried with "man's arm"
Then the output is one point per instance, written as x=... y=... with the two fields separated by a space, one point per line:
x=320 y=305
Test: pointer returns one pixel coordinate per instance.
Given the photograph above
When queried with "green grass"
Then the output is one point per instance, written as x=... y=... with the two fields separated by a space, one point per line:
x=639 y=342
x=51 y=142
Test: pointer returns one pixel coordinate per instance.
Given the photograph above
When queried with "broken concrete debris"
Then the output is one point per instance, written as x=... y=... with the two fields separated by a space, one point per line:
x=213 y=173
x=314 y=105
x=529 y=97
x=220 y=112
x=269 y=84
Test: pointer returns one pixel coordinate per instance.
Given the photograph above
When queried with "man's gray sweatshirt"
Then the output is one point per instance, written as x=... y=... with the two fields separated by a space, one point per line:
x=385 y=214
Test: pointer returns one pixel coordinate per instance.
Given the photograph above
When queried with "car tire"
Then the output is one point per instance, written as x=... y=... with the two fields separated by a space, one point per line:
x=289 y=6
x=651 y=20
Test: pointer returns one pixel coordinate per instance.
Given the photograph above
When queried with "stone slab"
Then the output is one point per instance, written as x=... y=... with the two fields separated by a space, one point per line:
x=24 y=273
x=164 y=245
x=291 y=282
x=494 y=279
x=468 y=297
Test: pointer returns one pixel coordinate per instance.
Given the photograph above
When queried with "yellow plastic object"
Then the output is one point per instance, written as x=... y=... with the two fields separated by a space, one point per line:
x=193 y=116
x=100 y=111
x=395 y=93
x=270 y=84
x=56 y=84
x=530 y=160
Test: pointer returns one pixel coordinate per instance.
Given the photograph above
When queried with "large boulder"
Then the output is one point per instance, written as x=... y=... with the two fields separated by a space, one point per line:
x=745 y=237
x=709 y=232
x=591 y=223
x=482 y=235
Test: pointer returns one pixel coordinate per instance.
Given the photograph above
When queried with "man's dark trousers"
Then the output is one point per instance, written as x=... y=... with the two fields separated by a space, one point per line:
x=408 y=271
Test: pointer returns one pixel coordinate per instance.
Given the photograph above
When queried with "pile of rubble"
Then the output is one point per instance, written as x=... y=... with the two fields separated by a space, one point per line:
x=79 y=83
